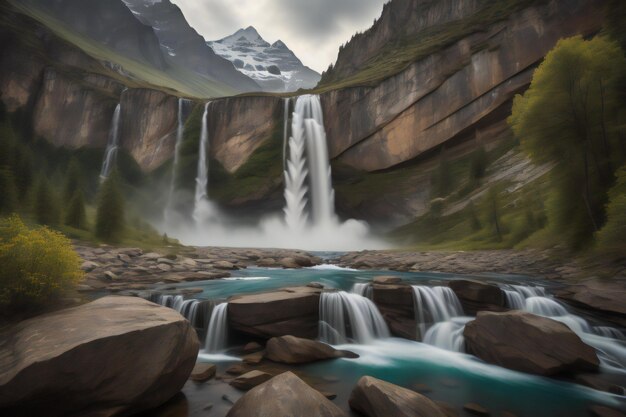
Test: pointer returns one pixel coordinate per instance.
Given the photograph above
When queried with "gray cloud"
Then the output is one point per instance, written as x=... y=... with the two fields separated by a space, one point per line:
x=313 y=29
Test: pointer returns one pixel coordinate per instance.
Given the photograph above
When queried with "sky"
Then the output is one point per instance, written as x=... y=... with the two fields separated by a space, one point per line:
x=312 y=29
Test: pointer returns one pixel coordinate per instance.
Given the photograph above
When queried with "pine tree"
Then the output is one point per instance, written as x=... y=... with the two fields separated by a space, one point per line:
x=8 y=191
x=76 y=216
x=73 y=179
x=110 y=213
x=46 y=205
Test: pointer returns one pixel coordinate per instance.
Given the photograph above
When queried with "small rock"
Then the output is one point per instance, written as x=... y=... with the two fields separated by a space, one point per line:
x=237 y=369
x=224 y=265
x=203 y=371
x=152 y=255
x=110 y=276
x=253 y=358
x=422 y=388
x=292 y=350
x=475 y=409
x=88 y=266
x=289 y=263
x=252 y=347
x=447 y=409
x=315 y=285
x=250 y=380
x=164 y=267
x=84 y=288
x=165 y=261
x=227 y=399
x=266 y=262
x=124 y=258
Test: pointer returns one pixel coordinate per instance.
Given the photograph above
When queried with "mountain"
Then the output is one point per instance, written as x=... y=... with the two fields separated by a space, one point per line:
x=275 y=67
x=145 y=31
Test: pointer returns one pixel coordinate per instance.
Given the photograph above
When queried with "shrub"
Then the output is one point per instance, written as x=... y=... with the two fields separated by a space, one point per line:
x=613 y=234
x=76 y=216
x=37 y=264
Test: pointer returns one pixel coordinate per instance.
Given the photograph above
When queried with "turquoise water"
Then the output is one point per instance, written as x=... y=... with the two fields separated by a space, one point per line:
x=454 y=378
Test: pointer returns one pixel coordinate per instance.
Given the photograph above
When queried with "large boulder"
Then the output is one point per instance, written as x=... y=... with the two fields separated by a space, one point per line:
x=603 y=296
x=292 y=350
x=293 y=311
x=478 y=296
x=284 y=395
x=396 y=305
x=528 y=343
x=375 y=398
x=113 y=356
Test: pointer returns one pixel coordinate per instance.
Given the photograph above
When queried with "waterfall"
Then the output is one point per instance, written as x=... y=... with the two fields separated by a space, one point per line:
x=363 y=289
x=308 y=170
x=203 y=210
x=346 y=317
x=447 y=334
x=433 y=305
x=187 y=308
x=607 y=341
x=180 y=130
x=285 y=131
x=111 y=150
x=217 y=331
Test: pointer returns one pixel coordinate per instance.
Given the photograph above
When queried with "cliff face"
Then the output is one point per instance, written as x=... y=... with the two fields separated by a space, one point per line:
x=449 y=92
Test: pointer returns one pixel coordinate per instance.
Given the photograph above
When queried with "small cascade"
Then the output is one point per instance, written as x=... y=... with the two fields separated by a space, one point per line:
x=434 y=305
x=346 y=317
x=217 y=331
x=187 y=308
x=607 y=341
x=110 y=153
x=307 y=170
x=203 y=209
x=447 y=334
x=180 y=130
x=363 y=289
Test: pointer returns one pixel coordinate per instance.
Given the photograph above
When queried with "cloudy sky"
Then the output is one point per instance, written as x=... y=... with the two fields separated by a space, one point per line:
x=313 y=29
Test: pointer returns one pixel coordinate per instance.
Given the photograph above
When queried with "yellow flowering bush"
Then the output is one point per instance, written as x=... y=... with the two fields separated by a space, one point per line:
x=35 y=264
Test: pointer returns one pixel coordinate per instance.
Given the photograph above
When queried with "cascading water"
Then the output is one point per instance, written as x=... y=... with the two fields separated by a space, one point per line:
x=111 y=150
x=287 y=100
x=434 y=305
x=346 y=317
x=217 y=331
x=203 y=209
x=606 y=340
x=169 y=209
x=363 y=289
x=308 y=169
x=187 y=308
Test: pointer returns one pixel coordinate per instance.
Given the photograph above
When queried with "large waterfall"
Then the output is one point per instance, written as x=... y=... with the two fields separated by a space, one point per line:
x=203 y=209
x=346 y=317
x=180 y=130
x=110 y=153
x=308 y=170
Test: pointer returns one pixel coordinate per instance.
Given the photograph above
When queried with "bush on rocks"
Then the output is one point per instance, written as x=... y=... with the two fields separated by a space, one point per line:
x=37 y=264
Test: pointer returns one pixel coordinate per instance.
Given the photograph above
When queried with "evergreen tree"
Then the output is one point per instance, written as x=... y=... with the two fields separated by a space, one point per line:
x=76 y=216
x=46 y=205
x=73 y=179
x=110 y=213
x=8 y=191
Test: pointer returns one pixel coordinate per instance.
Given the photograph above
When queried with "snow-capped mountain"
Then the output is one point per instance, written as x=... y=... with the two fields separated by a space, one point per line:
x=274 y=67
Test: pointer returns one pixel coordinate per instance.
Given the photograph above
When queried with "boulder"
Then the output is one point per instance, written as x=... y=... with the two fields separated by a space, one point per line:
x=376 y=398
x=284 y=395
x=603 y=296
x=478 y=296
x=528 y=343
x=289 y=263
x=115 y=355
x=276 y=313
x=250 y=380
x=224 y=265
x=203 y=371
x=395 y=303
x=252 y=347
x=266 y=262
x=292 y=350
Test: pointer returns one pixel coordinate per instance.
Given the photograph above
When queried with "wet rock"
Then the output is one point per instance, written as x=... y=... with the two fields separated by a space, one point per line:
x=81 y=356
x=448 y=409
x=237 y=369
x=252 y=347
x=293 y=350
x=475 y=409
x=284 y=395
x=253 y=358
x=528 y=343
x=250 y=380
x=276 y=313
x=478 y=296
x=164 y=267
x=376 y=398
x=304 y=261
x=602 y=411
x=124 y=258
x=603 y=296
x=289 y=263
x=395 y=303
x=385 y=280
x=203 y=371
x=266 y=262
x=422 y=388
x=315 y=285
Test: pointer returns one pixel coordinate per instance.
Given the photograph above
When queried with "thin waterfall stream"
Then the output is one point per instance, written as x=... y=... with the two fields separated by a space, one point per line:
x=110 y=154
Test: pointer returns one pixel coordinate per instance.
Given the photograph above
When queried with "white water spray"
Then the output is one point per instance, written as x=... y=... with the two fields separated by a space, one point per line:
x=203 y=209
x=110 y=154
